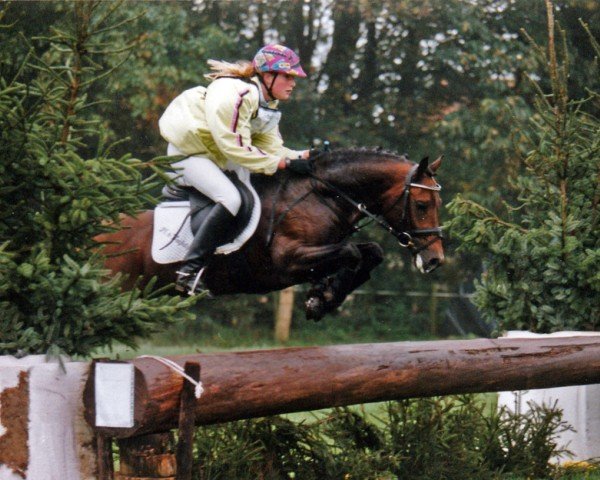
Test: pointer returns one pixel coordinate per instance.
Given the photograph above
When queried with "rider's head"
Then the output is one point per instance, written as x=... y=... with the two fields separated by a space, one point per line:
x=273 y=62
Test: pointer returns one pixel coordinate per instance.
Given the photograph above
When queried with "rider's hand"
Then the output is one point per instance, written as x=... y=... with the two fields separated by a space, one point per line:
x=301 y=166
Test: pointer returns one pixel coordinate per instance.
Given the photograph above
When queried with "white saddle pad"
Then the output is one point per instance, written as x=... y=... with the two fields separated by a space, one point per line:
x=173 y=235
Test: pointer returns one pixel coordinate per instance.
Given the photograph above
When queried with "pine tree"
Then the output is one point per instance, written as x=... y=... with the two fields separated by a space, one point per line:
x=59 y=188
x=543 y=256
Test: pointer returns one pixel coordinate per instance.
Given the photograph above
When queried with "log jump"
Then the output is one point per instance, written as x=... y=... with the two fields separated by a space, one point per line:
x=240 y=385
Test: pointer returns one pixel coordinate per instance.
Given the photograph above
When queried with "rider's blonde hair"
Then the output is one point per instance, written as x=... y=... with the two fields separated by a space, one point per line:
x=220 y=68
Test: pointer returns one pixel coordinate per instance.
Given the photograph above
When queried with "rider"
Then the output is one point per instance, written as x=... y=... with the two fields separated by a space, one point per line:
x=231 y=125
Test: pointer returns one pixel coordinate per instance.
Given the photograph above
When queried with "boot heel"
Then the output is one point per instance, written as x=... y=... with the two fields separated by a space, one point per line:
x=182 y=281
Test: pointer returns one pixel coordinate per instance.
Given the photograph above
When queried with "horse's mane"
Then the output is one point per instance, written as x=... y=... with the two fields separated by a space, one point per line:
x=331 y=164
x=331 y=159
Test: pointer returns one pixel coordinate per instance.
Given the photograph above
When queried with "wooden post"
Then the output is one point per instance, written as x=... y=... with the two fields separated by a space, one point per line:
x=187 y=405
x=147 y=456
x=283 y=316
x=252 y=384
x=433 y=304
x=104 y=457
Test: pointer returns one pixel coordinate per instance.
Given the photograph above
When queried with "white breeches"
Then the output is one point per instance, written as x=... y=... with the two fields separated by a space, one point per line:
x=205 y=176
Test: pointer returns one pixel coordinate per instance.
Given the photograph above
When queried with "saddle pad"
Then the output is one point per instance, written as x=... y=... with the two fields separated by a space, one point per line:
x=173 y=235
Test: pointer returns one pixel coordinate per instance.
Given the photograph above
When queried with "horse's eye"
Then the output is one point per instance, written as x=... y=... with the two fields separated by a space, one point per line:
x=422 y=206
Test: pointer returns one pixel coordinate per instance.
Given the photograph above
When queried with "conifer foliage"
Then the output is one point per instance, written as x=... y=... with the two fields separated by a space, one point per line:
x=59 y=187
x=543 y=256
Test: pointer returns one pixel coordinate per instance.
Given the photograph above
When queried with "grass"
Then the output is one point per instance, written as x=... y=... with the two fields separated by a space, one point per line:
x=205 y=335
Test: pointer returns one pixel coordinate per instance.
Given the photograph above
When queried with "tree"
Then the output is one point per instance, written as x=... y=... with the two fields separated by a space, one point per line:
x=54 y=294
x=542 y=256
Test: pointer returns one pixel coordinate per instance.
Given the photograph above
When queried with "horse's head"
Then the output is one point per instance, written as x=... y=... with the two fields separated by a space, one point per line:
x=399 y=195
x=411 y=207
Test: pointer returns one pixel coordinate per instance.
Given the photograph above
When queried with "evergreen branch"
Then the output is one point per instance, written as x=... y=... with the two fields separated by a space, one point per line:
x=119 y=24
x=24 y=63
x=564 y=71
x=592 y=39
x=57 y=37
x=560 y=110
x=541 y=96
x=115 y=6
x=114 y=51
x=551 y=54
x=487 y=216
x=108 y=72
x=106 y=152
x=498 y=221
x=539 y=50
x=45 y=68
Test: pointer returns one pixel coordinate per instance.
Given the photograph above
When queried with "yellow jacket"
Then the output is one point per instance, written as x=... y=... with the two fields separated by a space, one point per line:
x=215 y=122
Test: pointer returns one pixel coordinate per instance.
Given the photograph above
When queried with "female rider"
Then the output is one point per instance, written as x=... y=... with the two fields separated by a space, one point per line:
x=230 y=125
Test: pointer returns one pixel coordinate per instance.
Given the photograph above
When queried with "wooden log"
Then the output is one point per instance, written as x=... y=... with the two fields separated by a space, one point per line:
x=257 y=383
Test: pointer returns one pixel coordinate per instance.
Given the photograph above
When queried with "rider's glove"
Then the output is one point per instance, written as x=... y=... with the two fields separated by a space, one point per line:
x=299 y=165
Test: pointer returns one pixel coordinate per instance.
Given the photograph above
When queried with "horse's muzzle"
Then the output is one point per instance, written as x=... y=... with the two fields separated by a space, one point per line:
x=428 y=265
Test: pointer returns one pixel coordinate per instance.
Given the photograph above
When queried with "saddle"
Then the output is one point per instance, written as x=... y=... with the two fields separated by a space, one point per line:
x=178 y=218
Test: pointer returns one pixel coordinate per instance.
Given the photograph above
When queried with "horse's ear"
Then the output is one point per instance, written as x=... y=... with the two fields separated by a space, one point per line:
x=436 y=164
x=423 y=165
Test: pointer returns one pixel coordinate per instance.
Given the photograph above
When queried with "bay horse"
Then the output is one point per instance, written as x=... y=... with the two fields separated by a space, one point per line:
x=305 y=228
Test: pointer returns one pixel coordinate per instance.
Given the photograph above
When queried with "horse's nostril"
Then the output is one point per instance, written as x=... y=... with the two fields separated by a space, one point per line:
x=433 y=264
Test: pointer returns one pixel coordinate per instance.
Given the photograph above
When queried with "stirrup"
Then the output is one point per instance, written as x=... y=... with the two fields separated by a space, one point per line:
x=191 y=283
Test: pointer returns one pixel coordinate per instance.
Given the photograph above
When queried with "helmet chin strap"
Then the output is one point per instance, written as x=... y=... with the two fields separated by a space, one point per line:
x=269 y=87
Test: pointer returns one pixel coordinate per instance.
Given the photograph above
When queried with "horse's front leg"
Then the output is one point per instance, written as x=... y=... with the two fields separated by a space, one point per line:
x=329 y=293
x=311 y=263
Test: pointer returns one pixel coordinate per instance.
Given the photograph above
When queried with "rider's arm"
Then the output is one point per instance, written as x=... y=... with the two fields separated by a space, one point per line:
x=272 y=143
x=229 y=107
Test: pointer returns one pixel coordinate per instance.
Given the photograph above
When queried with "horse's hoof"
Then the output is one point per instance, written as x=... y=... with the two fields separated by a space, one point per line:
x=314 y=308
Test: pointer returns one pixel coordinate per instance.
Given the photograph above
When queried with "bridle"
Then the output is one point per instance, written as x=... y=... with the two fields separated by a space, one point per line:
x=407 y=236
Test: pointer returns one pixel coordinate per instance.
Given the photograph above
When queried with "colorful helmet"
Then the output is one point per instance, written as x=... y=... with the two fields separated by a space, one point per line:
x=277 y=58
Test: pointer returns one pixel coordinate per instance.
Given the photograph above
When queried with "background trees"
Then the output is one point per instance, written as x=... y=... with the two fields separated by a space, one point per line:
x=542 y=255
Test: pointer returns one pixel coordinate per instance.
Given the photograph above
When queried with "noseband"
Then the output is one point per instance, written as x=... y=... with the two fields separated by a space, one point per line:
x=406 y=237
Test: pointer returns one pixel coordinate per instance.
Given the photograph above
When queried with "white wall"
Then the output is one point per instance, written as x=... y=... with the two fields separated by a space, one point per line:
x=60 y=444
x=580 y=406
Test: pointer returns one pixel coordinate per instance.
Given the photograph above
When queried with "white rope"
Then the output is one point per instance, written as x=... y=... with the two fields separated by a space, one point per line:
x=198 y=388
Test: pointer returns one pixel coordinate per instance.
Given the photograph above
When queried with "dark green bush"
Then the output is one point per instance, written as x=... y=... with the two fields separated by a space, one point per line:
x=60 y=187
x=457 y=437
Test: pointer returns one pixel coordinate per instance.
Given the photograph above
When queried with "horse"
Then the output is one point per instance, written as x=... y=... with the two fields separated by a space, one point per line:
x=304 y=233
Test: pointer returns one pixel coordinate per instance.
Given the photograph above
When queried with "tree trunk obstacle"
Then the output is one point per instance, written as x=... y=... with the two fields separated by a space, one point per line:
x=239 y=385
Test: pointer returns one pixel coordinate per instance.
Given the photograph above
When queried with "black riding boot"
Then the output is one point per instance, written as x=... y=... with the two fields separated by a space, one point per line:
x=212 y=233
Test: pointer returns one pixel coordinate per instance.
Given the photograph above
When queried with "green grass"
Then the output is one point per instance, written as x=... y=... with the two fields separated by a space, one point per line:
x=571 y=473
x=205 y=335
